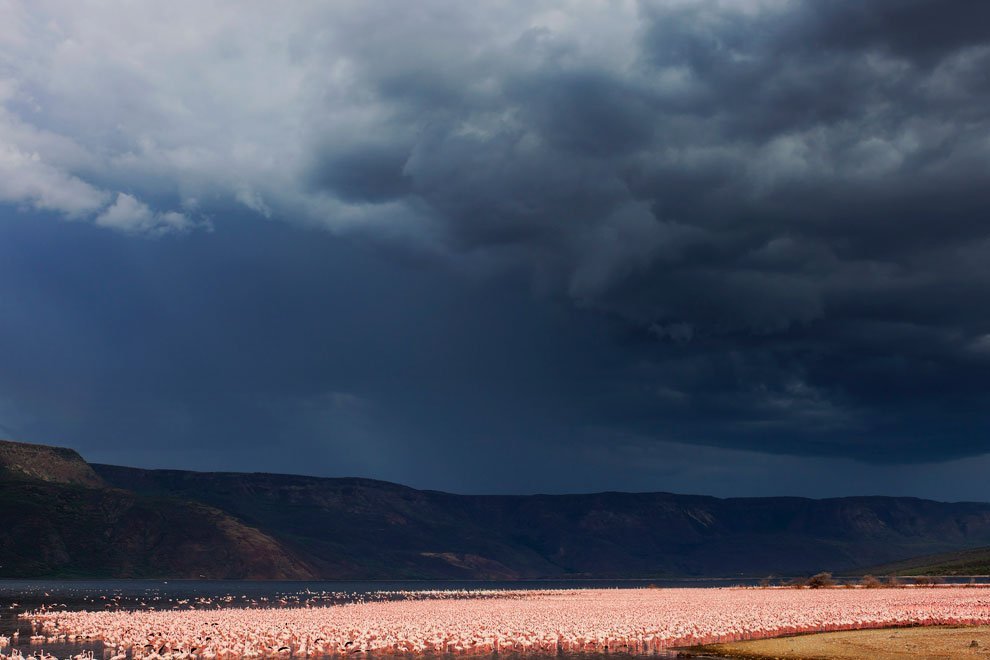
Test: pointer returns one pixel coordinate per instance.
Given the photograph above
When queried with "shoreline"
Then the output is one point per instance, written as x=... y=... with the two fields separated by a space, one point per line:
x=947 y=642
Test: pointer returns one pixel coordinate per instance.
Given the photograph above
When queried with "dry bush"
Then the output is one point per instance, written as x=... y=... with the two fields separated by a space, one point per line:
x=821 y=581
x=870 y=582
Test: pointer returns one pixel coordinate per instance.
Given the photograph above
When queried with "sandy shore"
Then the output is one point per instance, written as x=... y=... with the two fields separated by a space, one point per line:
x=886 y=644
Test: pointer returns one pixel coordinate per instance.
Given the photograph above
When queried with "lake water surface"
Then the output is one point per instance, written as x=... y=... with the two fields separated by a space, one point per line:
x=18 y=596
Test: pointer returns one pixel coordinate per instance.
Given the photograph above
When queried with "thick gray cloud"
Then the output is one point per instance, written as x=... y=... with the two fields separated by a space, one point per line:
x=790 y=198
x=773 y=214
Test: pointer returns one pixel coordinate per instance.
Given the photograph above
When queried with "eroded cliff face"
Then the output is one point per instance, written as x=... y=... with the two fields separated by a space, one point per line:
x=61 y=519
x=43 y=463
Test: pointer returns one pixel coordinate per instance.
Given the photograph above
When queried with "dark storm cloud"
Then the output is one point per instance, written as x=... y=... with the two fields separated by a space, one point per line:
x=369 y=174
x=914 y=29
x=587 y=236
x=788 y=203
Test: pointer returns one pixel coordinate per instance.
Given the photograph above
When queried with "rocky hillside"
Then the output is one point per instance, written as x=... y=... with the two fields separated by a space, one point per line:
x=61 y=519
x=68 y=518
x=361 y=528
x=19 y=460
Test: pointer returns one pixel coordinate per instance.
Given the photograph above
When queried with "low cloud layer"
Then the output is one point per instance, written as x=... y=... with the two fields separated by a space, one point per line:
x=779 y=207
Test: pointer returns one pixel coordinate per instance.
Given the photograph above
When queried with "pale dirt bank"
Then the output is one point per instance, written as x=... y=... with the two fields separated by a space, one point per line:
x=942 y=642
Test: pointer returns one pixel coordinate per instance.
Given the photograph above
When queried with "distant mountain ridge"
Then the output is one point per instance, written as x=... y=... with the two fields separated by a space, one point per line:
x=174 y=523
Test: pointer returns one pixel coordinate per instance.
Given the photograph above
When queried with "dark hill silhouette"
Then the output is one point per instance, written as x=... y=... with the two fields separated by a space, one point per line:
x=172 y=523
x=365 y=528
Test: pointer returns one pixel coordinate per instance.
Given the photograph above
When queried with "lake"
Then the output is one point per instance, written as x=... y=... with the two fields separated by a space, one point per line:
x=18 y=596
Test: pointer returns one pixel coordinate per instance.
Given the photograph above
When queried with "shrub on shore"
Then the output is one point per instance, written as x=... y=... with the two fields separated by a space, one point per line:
x=824 y=580
x=870 y=582
x=820 y=581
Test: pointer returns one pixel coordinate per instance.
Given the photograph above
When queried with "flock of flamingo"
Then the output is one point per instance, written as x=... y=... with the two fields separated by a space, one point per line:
x=636 y=621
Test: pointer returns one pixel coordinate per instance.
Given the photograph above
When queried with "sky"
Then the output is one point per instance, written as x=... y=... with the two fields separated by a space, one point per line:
x=737 y=248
